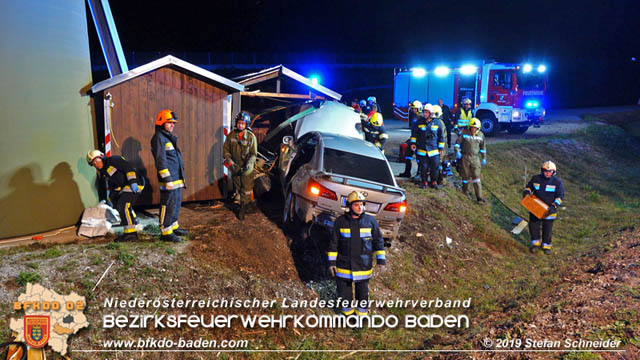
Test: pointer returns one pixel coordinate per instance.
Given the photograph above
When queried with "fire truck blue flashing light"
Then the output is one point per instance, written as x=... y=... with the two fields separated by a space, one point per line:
x=418 y=72
x=542 y=68
x=532 y=104
x=468 y=69
x=527 y=68
x=441 y=71
x=315 y=79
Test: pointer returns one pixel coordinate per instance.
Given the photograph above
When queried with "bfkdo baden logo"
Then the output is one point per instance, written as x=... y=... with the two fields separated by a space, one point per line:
x=49 y=318
x=36 y=330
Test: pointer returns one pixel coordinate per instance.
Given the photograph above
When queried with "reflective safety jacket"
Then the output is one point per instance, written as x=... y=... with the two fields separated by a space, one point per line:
x=471 y=145
x=463 y=116
x=241 y=147
x=354 y=244
x=551 y=191
x=428 y=136
x=164 y=147
x=120 y=174
x=374 y=133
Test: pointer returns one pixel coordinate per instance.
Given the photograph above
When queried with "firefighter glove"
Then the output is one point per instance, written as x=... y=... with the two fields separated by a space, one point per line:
x=228 y=164
x=552 y=209
x=332 y=270
x=134 y=187
x=458 y=155
x=526 y=192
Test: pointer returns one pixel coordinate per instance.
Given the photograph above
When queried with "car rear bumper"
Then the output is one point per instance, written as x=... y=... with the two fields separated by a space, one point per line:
x=311 y=212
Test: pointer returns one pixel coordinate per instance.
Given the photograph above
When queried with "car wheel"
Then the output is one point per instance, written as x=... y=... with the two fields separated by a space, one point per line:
x=515 y=129
x=489 y=125
x=289 y=209
x=292 y=223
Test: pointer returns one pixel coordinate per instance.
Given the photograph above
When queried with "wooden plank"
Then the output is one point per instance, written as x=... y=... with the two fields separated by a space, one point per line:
x=282 y=95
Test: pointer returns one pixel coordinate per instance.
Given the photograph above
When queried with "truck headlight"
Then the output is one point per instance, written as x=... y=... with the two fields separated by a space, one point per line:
x=515 y=114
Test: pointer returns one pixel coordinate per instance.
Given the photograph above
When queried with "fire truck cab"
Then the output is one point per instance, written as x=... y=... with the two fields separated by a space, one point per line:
x=505 y=96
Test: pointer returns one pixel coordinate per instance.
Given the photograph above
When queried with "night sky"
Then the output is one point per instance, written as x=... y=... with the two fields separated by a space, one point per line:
x=592 y=35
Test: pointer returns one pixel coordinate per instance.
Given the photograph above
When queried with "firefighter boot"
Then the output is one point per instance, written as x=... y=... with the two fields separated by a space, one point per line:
x=127 y=237
x=424 y=185
x=181 y=232
x=547 y=251
x=242 y=211
x=407 y=169
x=171 y=238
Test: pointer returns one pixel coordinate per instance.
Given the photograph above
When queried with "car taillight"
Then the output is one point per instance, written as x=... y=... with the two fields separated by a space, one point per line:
x=397 y=207
x=319 y=190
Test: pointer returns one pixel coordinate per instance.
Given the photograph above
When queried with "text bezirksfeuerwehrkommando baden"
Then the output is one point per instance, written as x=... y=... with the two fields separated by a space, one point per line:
x=160 y=321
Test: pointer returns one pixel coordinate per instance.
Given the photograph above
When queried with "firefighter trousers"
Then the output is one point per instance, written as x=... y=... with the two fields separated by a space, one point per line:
x=244 y=186
x=345 y=291
x=429 y=168
x=124 y=204
x=470 y=173
x=534 y=231
x=170 y=203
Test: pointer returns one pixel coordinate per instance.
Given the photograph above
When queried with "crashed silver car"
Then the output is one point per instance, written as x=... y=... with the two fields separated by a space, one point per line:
x=320 y=169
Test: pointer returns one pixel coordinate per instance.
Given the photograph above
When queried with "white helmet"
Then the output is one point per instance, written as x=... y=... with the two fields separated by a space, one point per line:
x=428 y=107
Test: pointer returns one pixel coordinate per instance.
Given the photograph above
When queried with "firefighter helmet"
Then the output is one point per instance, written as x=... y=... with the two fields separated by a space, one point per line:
x=475 y=123
x=371 y=100
x=93 y=154
x=549 y=165
x=363 y=103
x=428 y=107
x=466 y=101
x=437 y=111
x=376 y=119
x=416 y=105
x=355 y=196
x=166 y=116
x=243 y=116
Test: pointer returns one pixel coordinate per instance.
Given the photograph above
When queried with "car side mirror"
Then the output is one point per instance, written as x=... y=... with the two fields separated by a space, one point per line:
x=287 y=140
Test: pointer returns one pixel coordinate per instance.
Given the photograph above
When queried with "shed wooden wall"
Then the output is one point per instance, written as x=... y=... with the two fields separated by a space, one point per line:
x=199 y=106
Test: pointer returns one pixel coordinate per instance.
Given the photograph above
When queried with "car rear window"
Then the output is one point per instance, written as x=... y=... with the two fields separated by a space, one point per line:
x=356 y=165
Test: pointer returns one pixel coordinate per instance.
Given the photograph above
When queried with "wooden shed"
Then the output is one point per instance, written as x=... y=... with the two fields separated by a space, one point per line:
x=126 y=108
x=275 y=94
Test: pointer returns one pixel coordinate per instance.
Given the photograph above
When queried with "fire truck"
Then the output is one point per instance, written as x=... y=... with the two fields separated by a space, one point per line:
x=505 y=96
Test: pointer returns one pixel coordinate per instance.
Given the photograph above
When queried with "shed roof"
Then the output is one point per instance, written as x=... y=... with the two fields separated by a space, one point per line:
x=172 y=61
x=277 y=71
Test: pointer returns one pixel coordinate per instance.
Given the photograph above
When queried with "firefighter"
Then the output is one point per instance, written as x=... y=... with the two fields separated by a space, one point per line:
x=548 y=188
x=471 y=152
x=437 y=118
x=355 y=106
x=463 y=116
x=171 y=178
x=240 y=151
x=415 y=112
x=376 y=133
x=125 y=186
x=446 y=118
x=429 y=146
x=355 y=242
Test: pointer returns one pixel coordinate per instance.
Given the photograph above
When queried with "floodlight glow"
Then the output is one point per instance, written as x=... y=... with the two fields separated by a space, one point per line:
x=315 y=79
x=418 y=72
x=441 y=71
x=468 y=69
x=526 y=68
x=542 y=68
